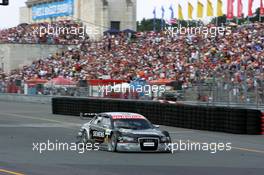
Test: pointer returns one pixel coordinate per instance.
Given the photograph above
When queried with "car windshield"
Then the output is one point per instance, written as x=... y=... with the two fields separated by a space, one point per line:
x=136 y=124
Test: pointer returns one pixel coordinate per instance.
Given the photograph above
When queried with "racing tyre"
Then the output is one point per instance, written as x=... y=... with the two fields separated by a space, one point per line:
x=112 y=142
x=84 y=138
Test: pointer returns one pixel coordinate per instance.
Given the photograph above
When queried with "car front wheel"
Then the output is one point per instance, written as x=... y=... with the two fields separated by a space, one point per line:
x=84 y=138
x=112 y=142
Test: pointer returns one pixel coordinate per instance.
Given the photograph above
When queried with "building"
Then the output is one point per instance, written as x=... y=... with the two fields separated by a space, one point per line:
x=98 y=15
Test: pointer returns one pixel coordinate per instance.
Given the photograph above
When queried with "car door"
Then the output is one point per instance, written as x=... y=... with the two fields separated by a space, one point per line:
x=96 y=130
x=104 y=128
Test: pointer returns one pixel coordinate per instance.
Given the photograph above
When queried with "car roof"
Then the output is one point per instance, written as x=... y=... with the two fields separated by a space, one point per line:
x=124 y=115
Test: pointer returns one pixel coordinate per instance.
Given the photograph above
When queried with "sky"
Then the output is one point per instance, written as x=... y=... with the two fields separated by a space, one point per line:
x=9 y=15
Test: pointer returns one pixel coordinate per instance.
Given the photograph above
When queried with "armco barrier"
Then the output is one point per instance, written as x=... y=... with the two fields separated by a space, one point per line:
x=223 y=119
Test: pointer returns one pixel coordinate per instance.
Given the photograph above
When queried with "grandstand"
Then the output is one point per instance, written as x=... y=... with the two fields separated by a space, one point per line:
x=223 y=67
x=192 y=60
x=199 y=80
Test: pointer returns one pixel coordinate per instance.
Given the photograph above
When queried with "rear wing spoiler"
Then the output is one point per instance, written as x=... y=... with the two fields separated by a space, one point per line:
x=87 y=115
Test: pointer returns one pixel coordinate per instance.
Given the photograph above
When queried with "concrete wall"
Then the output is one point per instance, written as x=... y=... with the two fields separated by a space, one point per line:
x=25 y=98
x=14 y=56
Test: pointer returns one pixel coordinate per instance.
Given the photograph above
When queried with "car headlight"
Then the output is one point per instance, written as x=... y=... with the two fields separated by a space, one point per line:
x=164 y=139
x=126 y=139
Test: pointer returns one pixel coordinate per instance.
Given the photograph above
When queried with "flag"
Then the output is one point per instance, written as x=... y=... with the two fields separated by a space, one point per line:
x=190 y=10
x=230 y=9
x=261 y=8
x=210 y=10
x=171 y=21
x=199 y=9
x=250 y=4
x=163 y=12
x=154 y=20
x=162 y=16
x=154 y=13
x=219 y=8
x=172 y=12
x=239 y=8
x=180 y=15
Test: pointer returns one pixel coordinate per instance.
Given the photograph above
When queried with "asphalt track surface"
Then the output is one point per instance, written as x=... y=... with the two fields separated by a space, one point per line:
x=22 y=124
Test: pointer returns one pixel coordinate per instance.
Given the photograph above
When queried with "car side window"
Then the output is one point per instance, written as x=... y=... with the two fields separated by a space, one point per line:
x=97 y=120
x=106 y=122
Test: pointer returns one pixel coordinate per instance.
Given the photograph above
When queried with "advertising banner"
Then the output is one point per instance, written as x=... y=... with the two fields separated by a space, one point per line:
x=53 y=9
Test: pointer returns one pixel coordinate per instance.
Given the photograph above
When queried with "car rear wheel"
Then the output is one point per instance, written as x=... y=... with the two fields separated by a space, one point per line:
x=112 y=142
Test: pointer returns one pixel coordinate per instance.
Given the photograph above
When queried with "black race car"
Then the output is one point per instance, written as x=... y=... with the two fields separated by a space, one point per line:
x=124 y=132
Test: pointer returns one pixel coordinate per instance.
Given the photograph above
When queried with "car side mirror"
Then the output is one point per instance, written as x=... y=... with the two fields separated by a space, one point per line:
x=156 y=126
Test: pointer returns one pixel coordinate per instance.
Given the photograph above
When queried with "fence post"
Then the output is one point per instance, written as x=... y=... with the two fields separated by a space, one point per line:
x=256 y=92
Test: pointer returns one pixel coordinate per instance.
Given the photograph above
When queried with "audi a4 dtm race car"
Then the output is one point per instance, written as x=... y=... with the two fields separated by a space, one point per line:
x=124 y=132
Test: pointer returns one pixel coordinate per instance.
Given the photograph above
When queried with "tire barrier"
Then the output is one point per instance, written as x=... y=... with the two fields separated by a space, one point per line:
x=221 y=119
x=262 y=124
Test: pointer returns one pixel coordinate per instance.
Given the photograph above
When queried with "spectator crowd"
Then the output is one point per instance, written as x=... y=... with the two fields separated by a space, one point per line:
x=44 y=33
x=235 y=57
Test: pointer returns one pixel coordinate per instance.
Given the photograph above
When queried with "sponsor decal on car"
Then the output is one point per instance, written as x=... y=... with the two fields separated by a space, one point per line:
x=115 y=117
x=107 y=132
x=98 y=134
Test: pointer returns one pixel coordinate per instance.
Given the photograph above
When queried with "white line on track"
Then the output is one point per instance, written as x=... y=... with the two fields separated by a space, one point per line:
x=248 y=150
x=181 y=132
x=63 y=124
x=36 y=125
x=69 y=126
x=253 y=150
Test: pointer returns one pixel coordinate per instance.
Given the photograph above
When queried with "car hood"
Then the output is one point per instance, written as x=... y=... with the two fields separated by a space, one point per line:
x=145 y=132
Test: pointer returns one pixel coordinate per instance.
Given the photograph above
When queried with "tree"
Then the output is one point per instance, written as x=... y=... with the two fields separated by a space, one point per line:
x=256 y=16
x=147 y=24
x=219 y=20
